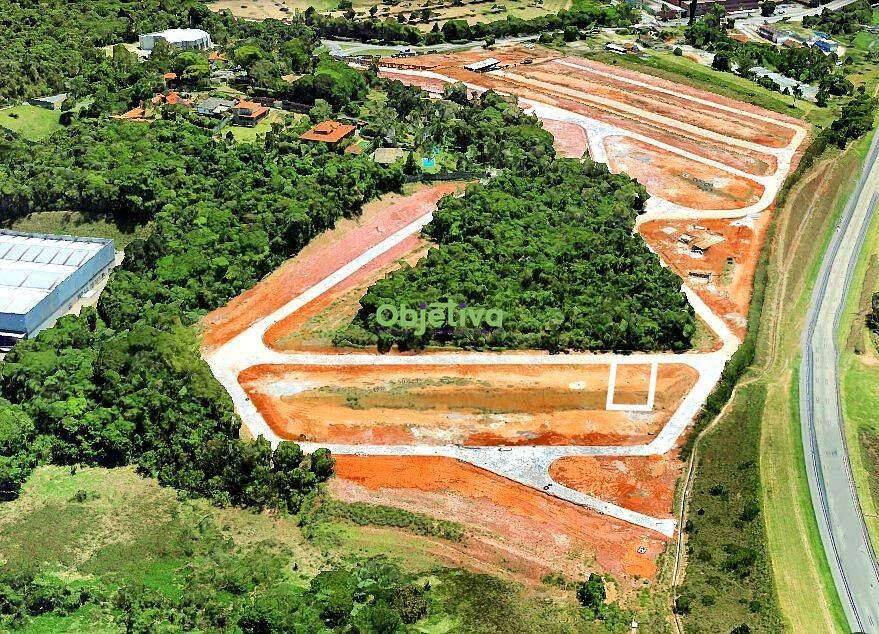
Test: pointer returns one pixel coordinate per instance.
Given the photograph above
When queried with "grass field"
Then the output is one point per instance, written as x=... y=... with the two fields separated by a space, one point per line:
x=106 y=529
x=31 y=122
x=249 y=135
x=75 y=223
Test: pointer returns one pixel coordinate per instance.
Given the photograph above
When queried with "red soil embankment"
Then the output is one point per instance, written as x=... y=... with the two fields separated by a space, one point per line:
x=322 y=256
x=522 y=527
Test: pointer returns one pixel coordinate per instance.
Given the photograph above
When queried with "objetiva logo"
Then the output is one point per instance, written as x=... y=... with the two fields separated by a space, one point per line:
x=437 y=315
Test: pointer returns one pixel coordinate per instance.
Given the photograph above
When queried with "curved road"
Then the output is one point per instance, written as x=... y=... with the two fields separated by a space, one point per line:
x=840 y=522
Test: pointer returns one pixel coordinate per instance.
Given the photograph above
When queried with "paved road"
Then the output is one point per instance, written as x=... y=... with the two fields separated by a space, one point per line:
x=834 y=497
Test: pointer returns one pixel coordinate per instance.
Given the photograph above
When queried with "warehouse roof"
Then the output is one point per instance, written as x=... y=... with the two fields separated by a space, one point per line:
x=177 y=36
x=32 y=265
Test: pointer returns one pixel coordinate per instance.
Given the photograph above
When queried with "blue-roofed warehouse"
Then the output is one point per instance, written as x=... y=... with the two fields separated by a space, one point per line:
x=41 y=276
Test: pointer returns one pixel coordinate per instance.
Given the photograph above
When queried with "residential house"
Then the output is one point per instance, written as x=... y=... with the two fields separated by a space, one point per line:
x=328 y=132
x=248 y=113
x=214 y=107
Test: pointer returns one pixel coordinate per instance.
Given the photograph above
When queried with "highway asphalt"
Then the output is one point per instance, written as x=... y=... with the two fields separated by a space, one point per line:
x=834 y=497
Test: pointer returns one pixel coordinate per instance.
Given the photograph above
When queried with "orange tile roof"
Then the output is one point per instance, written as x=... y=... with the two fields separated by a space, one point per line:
x=328 y=132
x=214 y=56
x=247 y=105
x=354 y=149
x=173 y=98
x=170 y=75
x=134 y=113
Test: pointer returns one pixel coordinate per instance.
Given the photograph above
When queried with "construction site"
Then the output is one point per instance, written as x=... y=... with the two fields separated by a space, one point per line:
x=553 y=462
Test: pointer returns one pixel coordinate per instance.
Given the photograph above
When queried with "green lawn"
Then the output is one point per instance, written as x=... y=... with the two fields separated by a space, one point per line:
x=75 y=223
x=31 y=122
x=249 y=135
x=109 y=528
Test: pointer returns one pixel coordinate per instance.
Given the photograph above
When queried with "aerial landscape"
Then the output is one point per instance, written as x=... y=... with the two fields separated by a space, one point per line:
x=434 y=317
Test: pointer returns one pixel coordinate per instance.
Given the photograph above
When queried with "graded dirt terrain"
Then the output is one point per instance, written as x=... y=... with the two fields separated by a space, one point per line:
x=681 y=180
x=531 y=532
x=463 y=405
x=536 y=501
x=569 y=139
x=723 y=275
x=641 y=483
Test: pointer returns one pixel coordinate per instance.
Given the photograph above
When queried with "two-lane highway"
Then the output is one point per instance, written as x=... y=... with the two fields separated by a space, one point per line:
x=840 y=522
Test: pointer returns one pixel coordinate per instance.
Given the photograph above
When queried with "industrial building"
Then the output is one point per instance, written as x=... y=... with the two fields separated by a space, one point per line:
x=186 y=39
x=41 y=276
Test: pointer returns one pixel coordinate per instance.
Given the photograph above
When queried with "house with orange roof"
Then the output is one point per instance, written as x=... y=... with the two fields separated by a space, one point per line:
x=135 y=114
x=328 y=132
x=172 y=98
x=248 y=113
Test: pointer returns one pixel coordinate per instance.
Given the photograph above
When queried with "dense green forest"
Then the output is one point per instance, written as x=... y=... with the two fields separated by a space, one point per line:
x=846 y=20
x=555 y=250
x=390 y=30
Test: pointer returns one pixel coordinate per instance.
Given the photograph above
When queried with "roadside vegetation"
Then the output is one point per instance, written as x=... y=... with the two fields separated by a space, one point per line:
x=752 y=456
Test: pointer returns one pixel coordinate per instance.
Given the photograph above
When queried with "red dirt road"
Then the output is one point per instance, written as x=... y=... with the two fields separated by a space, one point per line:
x=325 y=254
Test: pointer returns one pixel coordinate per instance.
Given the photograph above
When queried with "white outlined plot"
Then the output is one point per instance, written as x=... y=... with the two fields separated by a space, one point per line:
x=630 y=407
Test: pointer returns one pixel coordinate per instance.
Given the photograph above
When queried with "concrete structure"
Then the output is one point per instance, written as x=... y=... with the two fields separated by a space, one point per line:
x=41 y=276
x=186 y=39
x=214 y=107
x=51 y=102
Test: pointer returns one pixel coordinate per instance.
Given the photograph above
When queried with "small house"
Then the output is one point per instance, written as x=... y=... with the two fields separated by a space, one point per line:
x=214 y=107
x=51 y=102
x=328 y=132
x=248 y=113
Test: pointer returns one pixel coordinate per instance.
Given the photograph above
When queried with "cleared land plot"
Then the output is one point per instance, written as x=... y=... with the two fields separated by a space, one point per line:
x=642 y=483
x=31 y=122
x=463 y=405
x=526 y=529
x=723 y=275
x=679 y=179
x=569 y=138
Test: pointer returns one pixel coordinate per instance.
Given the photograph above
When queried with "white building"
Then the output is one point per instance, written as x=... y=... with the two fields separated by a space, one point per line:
x=187 y=39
